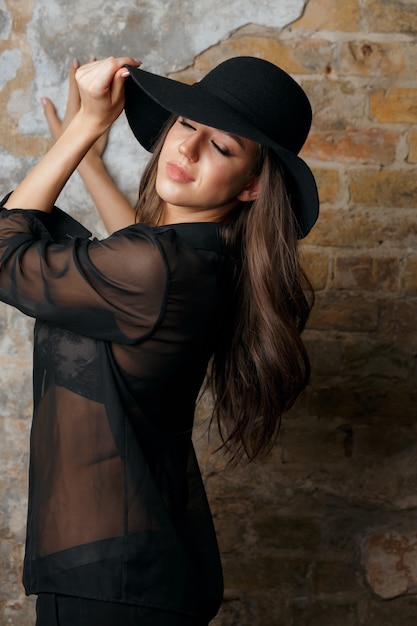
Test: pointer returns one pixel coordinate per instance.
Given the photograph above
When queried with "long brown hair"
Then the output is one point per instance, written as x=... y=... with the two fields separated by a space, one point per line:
x=260 y=365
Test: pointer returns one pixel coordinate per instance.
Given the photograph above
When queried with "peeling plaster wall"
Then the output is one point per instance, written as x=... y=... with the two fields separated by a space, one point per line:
x=323 y=531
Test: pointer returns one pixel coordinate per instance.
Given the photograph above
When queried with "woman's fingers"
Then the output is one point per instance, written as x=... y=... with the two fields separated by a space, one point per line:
x=101 y=87
x=118 y=91
x=54 y=123
x=97 y=76
x=73 y=102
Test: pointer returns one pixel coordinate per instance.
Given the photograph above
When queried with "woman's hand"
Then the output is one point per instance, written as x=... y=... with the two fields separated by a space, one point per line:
x=96 y=88
x=57 y=126
x=101 y=90
x=102 y=85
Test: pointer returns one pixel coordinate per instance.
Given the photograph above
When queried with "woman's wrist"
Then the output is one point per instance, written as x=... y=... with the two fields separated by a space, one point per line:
x=91 y=161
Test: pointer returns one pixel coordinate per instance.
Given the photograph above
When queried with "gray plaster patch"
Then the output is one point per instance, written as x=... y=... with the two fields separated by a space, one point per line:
x=166 y=36
x=10 y=61
x=12 y=170
x=19 y=103
x=5 y=21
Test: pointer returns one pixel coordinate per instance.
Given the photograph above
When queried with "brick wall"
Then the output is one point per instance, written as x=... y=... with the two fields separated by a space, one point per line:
x=324 y=531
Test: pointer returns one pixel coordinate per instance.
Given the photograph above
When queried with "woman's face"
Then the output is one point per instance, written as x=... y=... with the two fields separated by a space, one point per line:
x=204 y=172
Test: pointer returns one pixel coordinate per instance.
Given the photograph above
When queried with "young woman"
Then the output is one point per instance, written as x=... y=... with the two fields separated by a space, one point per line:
x=119 y=530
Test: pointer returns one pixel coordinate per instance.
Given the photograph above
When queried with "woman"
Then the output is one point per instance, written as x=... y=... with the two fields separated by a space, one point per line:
x=119 y=530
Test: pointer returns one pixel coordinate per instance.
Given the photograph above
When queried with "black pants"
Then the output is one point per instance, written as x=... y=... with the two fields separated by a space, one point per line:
x=58 y=610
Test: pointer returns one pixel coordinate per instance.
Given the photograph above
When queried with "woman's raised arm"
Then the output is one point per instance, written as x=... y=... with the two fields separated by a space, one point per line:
x=101 y=89
x=114 y=209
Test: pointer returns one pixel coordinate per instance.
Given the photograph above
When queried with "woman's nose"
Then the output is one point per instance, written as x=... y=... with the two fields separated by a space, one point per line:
x=189 y=148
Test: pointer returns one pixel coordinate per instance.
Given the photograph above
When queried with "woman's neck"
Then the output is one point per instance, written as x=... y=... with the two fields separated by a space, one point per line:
x=172 y=214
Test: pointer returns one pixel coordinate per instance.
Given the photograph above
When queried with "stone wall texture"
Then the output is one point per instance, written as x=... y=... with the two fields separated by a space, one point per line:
x=323 y=532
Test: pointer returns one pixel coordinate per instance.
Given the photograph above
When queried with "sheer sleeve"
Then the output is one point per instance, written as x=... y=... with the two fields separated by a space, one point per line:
x=113 y=289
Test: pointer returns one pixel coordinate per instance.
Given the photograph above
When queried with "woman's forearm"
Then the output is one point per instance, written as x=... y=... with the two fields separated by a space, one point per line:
x=114 y=209
x=41 y=187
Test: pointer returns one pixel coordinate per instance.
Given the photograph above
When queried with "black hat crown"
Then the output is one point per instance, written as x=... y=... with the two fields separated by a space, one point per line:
x=269 y=98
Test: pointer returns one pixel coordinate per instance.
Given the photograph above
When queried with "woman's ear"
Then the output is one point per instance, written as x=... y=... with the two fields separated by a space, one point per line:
x=251 y=191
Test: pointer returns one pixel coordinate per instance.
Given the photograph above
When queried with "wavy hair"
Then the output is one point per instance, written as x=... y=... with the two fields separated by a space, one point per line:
x=260 y=365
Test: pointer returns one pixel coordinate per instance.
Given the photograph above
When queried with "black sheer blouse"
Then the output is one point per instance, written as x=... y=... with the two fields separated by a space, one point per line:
x=124 y=331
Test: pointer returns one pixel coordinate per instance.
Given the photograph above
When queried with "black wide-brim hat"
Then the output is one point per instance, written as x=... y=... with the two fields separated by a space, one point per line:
x=246 y=96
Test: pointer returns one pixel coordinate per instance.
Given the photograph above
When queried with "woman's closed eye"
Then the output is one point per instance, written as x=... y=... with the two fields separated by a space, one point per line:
x=222 y=149
x=184 y=122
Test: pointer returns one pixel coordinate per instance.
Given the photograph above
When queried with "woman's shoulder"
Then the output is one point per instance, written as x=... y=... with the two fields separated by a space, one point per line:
x=198 y=235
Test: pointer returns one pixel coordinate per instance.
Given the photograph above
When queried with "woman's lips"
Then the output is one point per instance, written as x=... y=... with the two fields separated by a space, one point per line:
x=178 y=173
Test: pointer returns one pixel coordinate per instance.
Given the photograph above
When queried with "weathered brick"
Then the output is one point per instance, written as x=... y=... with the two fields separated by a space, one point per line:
x=321 y=613
x=397 y=323
x=307 y=57
x=339 y=15
x=389 y=613
x=267 y=572
x=237 y=611
x=325 y=355
x=381 y=440
x=255 y=608
x=372 y=145
x=366 y=273
x=274 y=531
x=320 y=445
x=412 y=144
x=272 y=610
x=353 y=401
x=409 y=275
x=398 y=104
x=373 y=359
x=384 y=188
x=390 y=561
x=230 y=535
x=337 y=105
x=344 y=312
x=365 y=228
x=390 y=16
x=328 y=183
x=331 y=576
x=372 y=58
x=316 y=265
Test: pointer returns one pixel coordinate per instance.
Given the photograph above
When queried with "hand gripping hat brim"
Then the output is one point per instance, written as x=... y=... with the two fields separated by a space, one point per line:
x=246 y=96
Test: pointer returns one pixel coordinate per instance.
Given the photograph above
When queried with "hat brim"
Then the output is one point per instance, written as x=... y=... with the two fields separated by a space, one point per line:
x=150 y=100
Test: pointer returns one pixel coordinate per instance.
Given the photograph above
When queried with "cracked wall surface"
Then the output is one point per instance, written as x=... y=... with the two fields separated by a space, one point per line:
x=322 y=532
